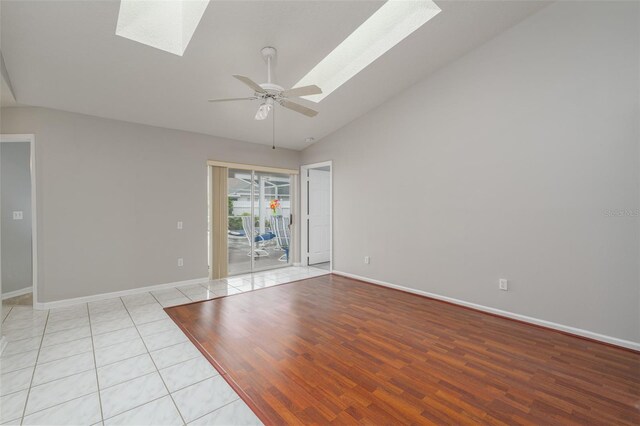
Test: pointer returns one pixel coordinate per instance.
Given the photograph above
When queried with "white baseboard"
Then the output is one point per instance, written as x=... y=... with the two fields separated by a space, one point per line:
x=68 y=302
x=17 y=293
x=560 y=327
x=3 y=344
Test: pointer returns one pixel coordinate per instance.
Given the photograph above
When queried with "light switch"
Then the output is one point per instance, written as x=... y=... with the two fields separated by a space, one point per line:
x=17 y=216
x=179 y=225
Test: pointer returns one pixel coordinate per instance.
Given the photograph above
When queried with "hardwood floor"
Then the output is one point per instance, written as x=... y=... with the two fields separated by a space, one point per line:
x=331 y=350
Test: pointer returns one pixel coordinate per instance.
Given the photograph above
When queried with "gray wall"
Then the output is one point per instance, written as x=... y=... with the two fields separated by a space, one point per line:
x=109 y=196
x=512 y=162
x=15 y=191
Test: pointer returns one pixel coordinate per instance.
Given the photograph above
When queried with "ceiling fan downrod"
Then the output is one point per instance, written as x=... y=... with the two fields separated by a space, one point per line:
x=269 y=54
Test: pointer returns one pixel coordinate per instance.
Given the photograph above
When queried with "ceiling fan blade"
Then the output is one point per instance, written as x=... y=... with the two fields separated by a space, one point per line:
x=302 y=91
x=298 y=108
x=246 y=80
x=232 y=99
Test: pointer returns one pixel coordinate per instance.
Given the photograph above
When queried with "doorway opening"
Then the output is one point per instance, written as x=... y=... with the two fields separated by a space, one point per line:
x=317 y=215
x=251 y=211
x=18 y=260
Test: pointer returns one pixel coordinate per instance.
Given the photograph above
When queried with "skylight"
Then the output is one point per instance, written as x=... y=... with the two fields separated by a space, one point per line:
x=164 y=24
x=388 y=26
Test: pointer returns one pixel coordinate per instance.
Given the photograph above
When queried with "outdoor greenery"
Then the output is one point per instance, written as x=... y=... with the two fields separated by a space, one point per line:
x=235 y=222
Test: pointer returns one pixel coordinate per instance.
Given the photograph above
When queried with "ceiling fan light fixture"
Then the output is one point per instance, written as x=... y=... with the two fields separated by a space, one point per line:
x=264 y=109
x=388 y=26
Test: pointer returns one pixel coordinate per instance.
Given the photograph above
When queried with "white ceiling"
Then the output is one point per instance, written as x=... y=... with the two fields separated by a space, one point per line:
x=65 y=55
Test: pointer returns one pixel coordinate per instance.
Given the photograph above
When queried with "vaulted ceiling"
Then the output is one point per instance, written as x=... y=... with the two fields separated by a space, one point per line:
x=65 y=55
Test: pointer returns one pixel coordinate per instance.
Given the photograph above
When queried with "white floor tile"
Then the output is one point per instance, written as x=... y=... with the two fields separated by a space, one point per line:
x=80 y=411
x=113 y=337
x=164 y=339
x=66 y=336
x=174 y=354
x=23 y=333
x=61 y=390
x=21 y=346
x=250 y=287
x=12 y=405
x=187 y=373
x=71 y=312
x=147 y=313
x=227 y=292
x=236 y=281
x=189 y=289
x=202 y=297
x=5 y=311
x=155 y=327
x=102 y=327
x=134 y=392
x=263 y=282
x=64 y=367
x=167 y=294
x=18 y=361
x=105 y=305
x=199 y=293
x=161 y=412
x=64 y=350
x=15 y=381
x=121 y=371
x=175 y=302
x=201 y=398
x=55 y=326
x=218 y=286
x=140 y=299
x=25 y=312
x=120 y=351
x=21 y=324
x=125 y=396
x=236 y=413
x=115 y=315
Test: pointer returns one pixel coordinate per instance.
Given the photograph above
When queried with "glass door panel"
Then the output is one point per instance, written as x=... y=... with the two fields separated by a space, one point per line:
x=239 y=236
x=272 y=212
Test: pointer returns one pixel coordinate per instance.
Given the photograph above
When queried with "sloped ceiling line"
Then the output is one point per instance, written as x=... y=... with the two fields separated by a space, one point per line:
x=5 y=76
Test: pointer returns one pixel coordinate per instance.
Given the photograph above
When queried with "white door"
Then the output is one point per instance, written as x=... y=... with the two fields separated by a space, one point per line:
x=319 y=216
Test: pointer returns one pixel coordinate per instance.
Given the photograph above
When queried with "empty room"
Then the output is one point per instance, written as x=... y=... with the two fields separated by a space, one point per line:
x=314 y=212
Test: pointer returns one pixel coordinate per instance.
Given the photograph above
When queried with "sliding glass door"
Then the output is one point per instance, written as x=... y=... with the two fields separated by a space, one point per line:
x=272 y=213
x=258 y=221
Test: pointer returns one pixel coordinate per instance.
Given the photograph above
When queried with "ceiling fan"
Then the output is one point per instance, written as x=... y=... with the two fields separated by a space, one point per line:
x=270 y=94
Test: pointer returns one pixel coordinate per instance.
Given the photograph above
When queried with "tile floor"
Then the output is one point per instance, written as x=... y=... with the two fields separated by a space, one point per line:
x=120 y=361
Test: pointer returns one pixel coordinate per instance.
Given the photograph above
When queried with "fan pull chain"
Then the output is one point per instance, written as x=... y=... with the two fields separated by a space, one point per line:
x=273 y=127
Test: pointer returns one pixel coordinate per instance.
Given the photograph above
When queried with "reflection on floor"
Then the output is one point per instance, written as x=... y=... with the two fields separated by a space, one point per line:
x=120 y=361
x=25 y=300
x=325 y=265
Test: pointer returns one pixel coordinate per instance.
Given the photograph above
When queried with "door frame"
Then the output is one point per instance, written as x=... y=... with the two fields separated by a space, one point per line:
x=304 y=217
x=30 y=138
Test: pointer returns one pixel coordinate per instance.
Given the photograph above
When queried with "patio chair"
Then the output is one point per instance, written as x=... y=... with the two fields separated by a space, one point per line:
x=280 y=226
x=260 y=240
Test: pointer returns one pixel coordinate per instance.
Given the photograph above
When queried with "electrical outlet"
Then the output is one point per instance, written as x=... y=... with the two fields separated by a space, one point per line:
x=180 y=262
x=18 y=216
x=503 y=284
x=179 y=225
x=367 y=260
